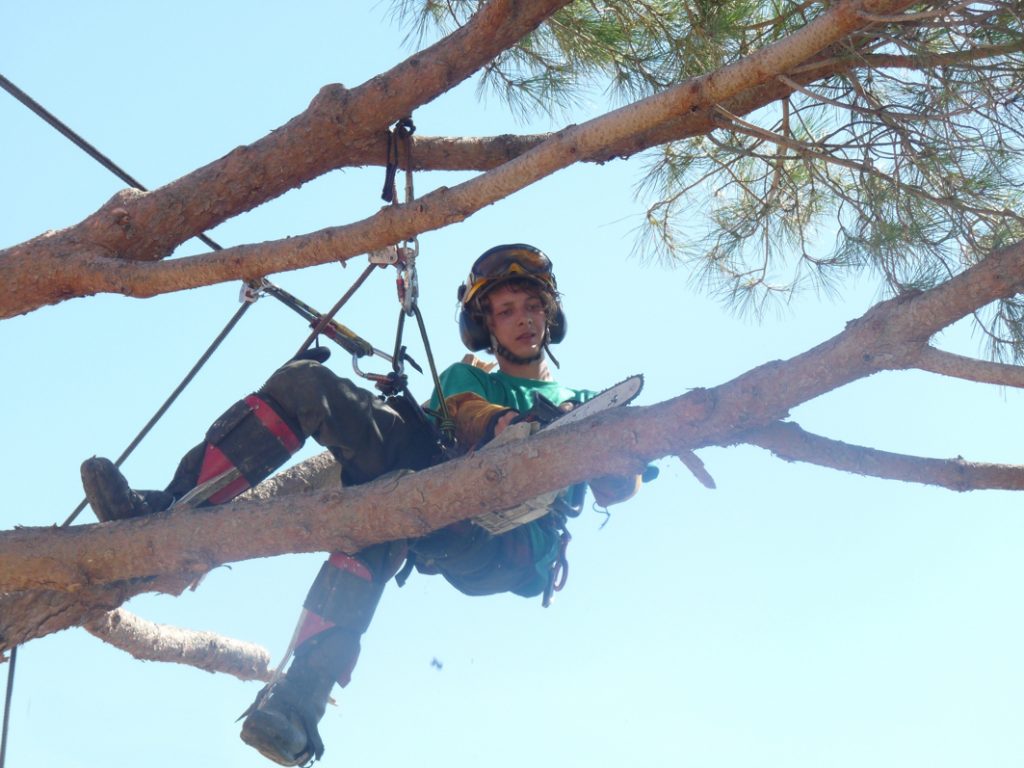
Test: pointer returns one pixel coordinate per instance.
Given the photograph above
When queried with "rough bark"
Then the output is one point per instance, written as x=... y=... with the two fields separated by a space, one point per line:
x=147 y=226
x=116 y=249
x=57 y=578
x=105 y=563
x=791 y=443
x=149 y=641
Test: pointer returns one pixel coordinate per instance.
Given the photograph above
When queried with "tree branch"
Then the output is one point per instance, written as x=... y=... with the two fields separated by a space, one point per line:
x=134 y=226
x=36 y=613
x=969 y=368
x=149 y=641
x=145 y=226
x=67 y=576
x=790 y=442
x=187 y=543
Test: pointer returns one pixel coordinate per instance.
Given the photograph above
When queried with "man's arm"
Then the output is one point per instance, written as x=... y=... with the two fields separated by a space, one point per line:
x=476 y=420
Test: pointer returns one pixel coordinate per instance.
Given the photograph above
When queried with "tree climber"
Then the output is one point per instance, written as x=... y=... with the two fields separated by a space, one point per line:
x=510 y=306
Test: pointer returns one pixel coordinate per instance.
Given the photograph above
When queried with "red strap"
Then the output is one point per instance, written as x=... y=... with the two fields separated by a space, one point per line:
x=215 y=463
x=277 y=426
x=350 y=564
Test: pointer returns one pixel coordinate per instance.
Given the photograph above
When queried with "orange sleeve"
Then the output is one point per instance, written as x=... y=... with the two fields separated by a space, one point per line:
x=474 y=418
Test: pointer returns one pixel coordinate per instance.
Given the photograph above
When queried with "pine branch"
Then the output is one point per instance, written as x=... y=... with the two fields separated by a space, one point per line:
x=925 y=61
x=208 y=651
x=78 y=261
x=790 y=442
x=70 y=576
x=968 y=368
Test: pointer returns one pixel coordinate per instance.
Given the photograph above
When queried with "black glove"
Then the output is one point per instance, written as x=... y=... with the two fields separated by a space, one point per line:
x=543 y=412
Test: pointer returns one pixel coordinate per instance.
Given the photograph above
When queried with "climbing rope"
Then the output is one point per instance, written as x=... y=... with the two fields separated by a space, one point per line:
x=408 y=289
x=7 y=704
x=168 y=402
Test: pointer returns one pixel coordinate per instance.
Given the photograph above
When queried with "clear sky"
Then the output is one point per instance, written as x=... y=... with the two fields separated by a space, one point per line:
x=794 y=617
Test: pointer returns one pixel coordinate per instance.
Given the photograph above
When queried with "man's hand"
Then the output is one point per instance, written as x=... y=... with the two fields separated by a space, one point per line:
x=504 y=420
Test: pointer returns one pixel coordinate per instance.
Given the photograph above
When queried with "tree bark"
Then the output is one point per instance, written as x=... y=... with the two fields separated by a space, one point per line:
x=114 y=250
x=60 y=577
x=149 y=641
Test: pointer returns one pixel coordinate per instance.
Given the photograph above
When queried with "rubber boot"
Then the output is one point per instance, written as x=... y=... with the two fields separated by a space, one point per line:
x=282 y=723
x=111 y=498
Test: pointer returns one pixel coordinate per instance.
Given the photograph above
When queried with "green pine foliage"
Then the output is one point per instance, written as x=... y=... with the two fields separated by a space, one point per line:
x=897 y=155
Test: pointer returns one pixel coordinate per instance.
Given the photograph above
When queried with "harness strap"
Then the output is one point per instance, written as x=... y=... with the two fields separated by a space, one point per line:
x=559 y=569
x=274 y=423
x=254 y=464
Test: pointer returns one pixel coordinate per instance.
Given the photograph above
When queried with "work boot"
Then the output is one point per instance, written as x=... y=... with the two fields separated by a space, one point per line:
x=282 y=723
x=110 y=497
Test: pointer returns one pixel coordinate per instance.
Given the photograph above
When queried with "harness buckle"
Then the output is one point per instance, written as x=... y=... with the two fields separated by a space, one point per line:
x=249 y=292
x=385 y=256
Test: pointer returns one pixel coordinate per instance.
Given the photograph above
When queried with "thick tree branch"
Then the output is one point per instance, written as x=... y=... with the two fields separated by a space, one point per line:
x=62 y=577
x=188 y=543
x=146 y=226
x=78 y=261
x=36 y=613
x=149 y=641
x=791 y=443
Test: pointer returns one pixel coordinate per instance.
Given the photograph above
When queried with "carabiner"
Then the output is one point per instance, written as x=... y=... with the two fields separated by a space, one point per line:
x=408 y=281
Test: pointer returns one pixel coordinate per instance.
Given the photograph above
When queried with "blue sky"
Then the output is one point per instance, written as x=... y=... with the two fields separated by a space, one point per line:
x=794 y=617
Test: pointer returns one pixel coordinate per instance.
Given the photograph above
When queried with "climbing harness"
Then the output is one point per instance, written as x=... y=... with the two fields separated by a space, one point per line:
x=559 y=574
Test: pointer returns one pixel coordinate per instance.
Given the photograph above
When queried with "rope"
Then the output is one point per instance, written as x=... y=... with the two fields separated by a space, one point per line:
x=126 y=177
x=403 y=129
x=7 y=704
x=168 y=402
x=114 y=168
x=82 y=144
x=325 y=319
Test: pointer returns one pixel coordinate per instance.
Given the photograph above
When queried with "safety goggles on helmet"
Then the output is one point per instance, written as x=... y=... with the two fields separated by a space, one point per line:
x=507 y=261
x=499 y=264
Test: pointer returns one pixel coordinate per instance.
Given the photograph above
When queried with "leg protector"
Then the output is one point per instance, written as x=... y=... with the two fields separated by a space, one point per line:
x=344 y=597
x=367 y=436
x=250 y=437
x=282 y=723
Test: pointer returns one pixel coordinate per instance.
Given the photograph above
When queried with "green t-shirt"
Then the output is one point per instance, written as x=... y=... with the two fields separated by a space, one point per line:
x=501 y=389
x=518 y=393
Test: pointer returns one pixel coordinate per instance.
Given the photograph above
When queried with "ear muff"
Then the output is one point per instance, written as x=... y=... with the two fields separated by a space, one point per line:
x=473 y=332
x=557 y=326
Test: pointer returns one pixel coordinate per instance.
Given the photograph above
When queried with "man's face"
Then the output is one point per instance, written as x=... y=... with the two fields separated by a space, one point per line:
x=517 y=320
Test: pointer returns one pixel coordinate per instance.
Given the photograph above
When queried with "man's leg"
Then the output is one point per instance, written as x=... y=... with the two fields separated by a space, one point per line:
x=258 y=434
x=369 y=438
x=476 y=562
x=282 y=722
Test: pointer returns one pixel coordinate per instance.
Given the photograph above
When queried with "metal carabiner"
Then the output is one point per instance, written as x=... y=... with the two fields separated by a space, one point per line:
x=408 y=280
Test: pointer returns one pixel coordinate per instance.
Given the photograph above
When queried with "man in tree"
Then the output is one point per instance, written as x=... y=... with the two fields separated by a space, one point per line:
x=509 y=305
